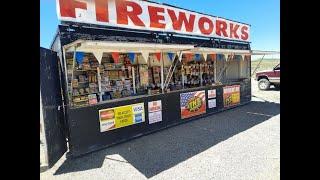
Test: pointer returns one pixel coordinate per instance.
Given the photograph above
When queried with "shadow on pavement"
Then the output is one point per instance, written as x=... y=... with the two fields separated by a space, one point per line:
x=273 y=89
x=160 y=151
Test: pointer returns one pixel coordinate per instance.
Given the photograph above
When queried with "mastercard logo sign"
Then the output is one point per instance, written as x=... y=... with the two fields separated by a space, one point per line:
x=107 y=115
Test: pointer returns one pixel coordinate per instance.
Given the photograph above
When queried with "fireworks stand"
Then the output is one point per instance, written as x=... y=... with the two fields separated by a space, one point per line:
x=140 y=67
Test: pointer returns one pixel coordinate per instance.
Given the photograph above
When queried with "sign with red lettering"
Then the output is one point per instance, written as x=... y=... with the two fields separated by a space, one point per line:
x=231 y=95
x=155 y=111
x=212 y=94
x=143 y=15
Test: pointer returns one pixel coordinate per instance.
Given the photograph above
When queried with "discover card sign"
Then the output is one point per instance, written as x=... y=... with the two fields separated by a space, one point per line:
x=144 y=15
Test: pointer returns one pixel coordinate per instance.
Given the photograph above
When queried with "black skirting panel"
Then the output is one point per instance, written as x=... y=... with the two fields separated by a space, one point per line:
x=84 y=125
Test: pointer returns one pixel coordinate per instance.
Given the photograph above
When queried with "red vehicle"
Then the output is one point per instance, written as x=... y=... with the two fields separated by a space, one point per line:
x=267 y=78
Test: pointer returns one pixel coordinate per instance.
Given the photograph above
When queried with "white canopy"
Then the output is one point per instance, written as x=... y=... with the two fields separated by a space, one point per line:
x=100 y=47
x=219 y=51
x=111 y=46
x=258 y=52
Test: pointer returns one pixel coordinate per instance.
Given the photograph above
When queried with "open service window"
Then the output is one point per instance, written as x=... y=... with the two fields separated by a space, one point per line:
x=118 y=75
x=99 y=72
x=233 y=68
x=198 y=70
x=102 y=71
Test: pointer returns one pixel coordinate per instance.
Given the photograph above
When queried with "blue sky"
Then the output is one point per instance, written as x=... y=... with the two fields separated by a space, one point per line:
x=263 y=15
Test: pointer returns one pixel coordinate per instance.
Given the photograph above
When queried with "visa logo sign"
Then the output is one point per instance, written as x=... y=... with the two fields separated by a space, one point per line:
x=137 y=109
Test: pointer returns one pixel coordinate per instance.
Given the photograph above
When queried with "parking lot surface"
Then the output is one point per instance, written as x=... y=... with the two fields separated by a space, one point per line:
x=242 y=143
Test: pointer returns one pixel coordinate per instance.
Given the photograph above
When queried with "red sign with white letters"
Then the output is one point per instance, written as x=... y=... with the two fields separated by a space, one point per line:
x=143 y=15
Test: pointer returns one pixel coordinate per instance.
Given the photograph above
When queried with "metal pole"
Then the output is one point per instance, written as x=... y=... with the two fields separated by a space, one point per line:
x=134 y=80
x=257 y=66
x=215 y=64
x=182 y=77
x=99 y=83
x=201 y=83
x=65 y=70
x=171 y=66
x=73 y=66
x=162 y=73
x=174 y=68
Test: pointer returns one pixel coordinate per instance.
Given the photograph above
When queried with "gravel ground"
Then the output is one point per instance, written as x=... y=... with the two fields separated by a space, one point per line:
x=242 y=143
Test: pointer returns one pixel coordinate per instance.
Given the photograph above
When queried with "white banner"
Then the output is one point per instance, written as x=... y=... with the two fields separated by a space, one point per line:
x=136 y=14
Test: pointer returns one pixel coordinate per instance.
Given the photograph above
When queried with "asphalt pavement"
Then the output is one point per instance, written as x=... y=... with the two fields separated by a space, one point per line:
x=242 y=143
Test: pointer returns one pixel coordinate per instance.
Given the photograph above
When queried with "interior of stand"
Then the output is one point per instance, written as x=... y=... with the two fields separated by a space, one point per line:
x=125 y=73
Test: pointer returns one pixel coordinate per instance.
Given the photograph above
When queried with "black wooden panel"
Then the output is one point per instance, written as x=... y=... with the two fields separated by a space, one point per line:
x=85 y=135
x=52 y=106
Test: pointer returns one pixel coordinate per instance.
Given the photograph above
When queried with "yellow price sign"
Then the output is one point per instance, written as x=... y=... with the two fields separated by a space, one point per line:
x=231 y=95
x=235 y=98
x=123 y=116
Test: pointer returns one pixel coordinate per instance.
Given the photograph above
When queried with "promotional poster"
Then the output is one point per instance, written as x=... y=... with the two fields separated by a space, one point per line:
x=192 y=104
x=231 y=95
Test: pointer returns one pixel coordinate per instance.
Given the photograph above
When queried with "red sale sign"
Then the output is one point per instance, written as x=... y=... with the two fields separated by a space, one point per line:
x=143 y=15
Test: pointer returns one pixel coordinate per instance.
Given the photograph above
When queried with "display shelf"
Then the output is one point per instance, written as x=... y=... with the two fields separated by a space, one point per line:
x=80 y=101
x=114 y=69
x=119 y=79
x=85 y=94
x=106 y=91
x=82 y=70
x=83 y=85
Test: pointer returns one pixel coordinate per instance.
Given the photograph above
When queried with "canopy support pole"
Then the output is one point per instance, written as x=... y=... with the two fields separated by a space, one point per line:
x=201 y=73
x=99 y=83
x=134 y=80
x=257 y=66
x=65 y=69
x=170 y=74
x=165 y=82
x=72 y=75
x=162 y=75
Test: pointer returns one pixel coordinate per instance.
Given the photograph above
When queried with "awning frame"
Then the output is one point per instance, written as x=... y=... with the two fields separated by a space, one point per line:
x=111 y=46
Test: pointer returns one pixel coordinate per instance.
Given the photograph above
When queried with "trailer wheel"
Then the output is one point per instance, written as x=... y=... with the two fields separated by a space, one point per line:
x=264 y=84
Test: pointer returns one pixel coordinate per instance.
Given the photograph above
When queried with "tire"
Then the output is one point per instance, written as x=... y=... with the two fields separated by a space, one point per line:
x=277 y=86
x=263 y=84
